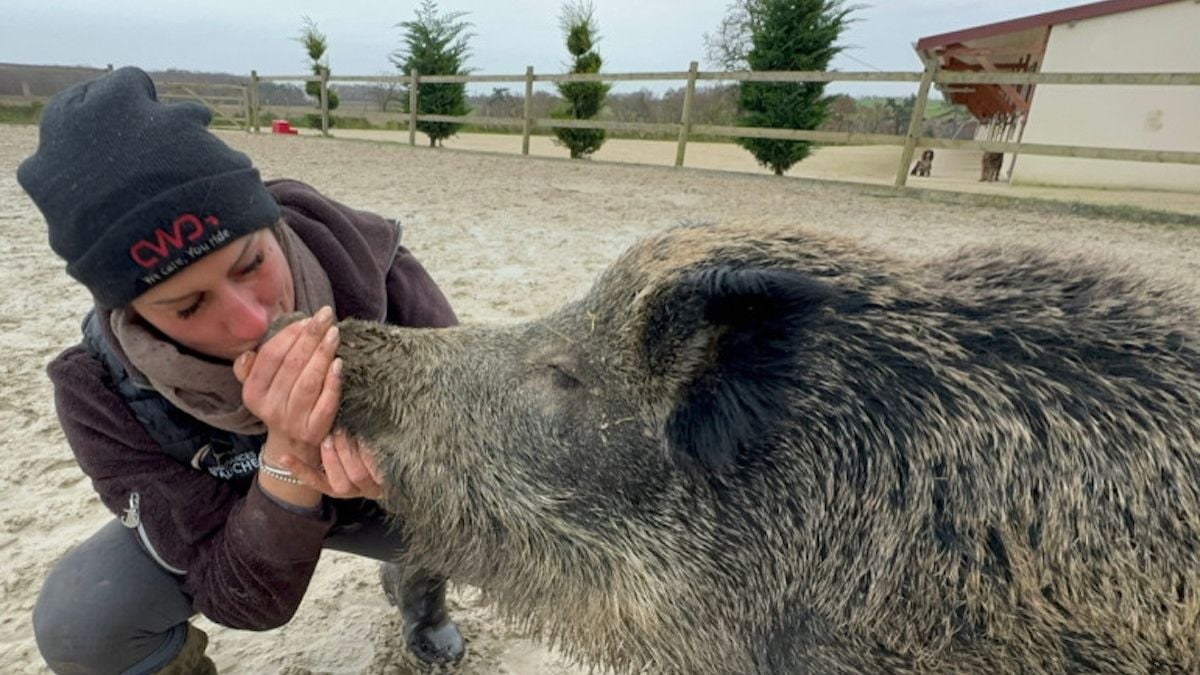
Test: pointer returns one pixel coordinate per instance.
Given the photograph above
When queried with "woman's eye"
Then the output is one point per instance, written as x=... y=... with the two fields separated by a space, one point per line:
x=563 y=379
x=254 y=264
x=190 y=310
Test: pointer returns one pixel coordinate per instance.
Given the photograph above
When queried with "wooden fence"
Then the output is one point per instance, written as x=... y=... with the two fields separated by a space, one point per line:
x=684 y=129
x=230 y=102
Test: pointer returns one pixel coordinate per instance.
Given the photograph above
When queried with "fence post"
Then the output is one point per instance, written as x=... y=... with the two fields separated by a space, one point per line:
x=255 y=107
x=914 y=123
x=247 y=107
x=412 y=107
x=685 y=123
x=528 y=127
x=324 y=101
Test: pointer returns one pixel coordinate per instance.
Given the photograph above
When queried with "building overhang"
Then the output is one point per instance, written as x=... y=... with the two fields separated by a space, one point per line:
x=1016 y=45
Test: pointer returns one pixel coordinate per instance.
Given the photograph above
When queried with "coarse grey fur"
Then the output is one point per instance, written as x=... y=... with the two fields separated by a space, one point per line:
x=752 y=450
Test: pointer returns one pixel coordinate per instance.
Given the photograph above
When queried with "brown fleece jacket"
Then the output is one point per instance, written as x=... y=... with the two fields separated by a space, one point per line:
x=248 y=561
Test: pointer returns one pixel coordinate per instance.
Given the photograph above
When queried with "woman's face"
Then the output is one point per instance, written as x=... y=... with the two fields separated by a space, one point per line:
x=222 y=304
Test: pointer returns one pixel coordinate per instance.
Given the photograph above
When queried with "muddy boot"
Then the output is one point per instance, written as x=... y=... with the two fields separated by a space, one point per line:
x=191 y=659
x=430 y=634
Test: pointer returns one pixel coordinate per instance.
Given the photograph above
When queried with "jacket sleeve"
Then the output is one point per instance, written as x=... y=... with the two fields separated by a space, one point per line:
x=246 y=561
x=413 y=297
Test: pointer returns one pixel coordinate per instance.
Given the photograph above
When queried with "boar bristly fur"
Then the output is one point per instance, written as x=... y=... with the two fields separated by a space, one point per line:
x=749 y=450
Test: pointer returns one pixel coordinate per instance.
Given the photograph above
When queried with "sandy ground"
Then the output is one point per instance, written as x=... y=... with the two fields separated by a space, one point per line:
x=508 y=239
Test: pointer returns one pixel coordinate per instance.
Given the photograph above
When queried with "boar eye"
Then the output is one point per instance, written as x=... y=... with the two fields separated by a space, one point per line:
x=562 y=378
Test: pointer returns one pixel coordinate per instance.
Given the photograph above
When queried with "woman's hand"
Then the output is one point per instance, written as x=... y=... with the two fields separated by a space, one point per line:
x=293 y=384
x=347 y=469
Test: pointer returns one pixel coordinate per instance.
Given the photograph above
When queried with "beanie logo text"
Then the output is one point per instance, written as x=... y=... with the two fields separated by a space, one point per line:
x=184 y=229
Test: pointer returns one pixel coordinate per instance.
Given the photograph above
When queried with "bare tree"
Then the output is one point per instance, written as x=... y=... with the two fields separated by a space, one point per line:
x=386 y=93
x=728 y=46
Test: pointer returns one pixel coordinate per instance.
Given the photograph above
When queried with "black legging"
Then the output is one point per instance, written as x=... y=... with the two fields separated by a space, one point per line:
x=107 y=607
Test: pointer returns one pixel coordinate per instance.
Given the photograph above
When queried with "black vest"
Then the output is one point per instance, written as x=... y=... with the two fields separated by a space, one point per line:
x=224 y=454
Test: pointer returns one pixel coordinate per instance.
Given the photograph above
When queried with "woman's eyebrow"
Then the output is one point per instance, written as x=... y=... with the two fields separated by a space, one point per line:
x=245 y=249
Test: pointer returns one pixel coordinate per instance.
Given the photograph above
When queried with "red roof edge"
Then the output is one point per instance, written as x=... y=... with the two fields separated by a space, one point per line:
x=1033 y=21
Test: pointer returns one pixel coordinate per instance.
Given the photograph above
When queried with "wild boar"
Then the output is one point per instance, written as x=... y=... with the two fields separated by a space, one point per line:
x=753 y=450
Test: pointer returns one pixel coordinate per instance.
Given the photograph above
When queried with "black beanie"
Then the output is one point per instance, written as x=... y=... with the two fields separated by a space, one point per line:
x=134 y=190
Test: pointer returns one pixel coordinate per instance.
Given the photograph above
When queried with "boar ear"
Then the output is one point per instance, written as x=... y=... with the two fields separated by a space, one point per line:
x=729 y=337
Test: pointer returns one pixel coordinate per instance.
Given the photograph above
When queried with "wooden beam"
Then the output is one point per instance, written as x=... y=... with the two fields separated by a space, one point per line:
x=915 y=121
x=955 y=64
x=206 y=85
x=831 y=137
x=481 y=120
x=963 y=50
x=1017 y=99
x=226 y=100
x=1157 y=79
x=647 y=127
x=1081 y=152
x=256 y=100
x=527 y=117
x=685 y=122
x=413 y=82
x=324 y=101
x=212 y=107
x=808 y=76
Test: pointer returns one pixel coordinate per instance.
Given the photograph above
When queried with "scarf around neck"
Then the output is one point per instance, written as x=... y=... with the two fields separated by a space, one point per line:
x=203 y=387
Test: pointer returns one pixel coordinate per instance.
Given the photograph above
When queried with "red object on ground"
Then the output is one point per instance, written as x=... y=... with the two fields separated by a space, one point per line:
x=282 y=127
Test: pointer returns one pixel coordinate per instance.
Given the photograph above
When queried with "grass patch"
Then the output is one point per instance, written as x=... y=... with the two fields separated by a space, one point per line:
x=21 y=114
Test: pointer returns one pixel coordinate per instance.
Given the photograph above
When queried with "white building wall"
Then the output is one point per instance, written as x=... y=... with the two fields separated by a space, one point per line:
x=1165 y=38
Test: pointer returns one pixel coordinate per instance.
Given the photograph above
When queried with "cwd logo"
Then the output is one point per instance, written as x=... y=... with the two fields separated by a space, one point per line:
x=184 y=229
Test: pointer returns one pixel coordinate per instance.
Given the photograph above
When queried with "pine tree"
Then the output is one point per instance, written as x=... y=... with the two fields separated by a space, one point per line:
x=789 y=35
x=583 y=100
x=315 y=45
x=436 y=45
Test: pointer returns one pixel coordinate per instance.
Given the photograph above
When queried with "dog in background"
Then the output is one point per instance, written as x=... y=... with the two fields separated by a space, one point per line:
x=990 y=169
x=924 y=166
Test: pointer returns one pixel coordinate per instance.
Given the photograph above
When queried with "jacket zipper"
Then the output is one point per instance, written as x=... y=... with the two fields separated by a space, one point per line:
x=133 y=520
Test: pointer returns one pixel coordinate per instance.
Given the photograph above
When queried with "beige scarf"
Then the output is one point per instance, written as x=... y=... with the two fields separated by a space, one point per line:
x=204 y=388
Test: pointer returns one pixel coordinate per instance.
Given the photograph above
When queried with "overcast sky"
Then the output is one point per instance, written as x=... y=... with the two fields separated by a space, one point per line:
x=636 y=35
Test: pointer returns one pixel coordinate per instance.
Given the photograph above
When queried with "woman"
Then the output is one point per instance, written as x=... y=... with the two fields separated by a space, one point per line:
x=217 y=454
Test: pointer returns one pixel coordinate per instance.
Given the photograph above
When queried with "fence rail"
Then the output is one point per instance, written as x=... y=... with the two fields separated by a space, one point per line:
x=230 y=102
x=930 y=76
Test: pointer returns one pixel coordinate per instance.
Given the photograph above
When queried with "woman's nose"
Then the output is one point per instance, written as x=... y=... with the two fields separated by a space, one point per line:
x=245 y=317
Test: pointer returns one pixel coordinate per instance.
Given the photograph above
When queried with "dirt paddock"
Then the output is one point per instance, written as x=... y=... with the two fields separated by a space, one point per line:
x=508 y=239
